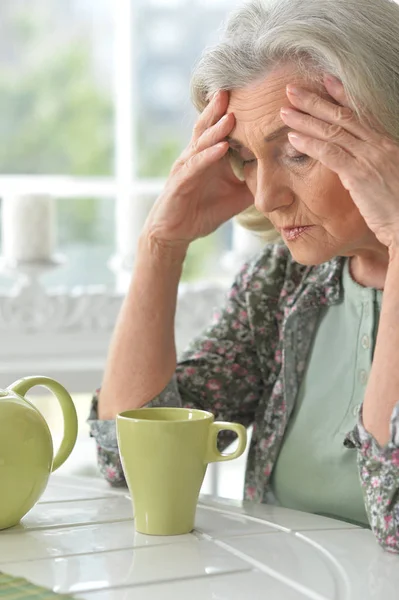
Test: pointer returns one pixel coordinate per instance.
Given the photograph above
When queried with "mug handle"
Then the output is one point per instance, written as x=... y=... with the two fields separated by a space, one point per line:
x=213 y=453
x=22 y=386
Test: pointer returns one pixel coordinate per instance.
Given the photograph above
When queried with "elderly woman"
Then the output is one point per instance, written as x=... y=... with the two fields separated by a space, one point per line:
x=301 y=98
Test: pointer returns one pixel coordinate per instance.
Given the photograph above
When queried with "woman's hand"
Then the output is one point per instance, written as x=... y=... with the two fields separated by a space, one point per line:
x=366 y=161
x=202 y=191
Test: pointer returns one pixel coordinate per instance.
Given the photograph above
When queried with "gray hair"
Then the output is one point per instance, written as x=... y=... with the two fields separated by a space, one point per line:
x=355 y=40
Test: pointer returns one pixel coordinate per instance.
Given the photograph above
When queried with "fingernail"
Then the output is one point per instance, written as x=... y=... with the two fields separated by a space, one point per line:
x=286 y=111
x=332 y=80
x=295 y=91
x=295 y=137
x=219 y=146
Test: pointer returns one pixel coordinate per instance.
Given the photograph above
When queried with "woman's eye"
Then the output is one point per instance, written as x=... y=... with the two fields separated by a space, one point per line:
x=235 y=155
x=300 y=158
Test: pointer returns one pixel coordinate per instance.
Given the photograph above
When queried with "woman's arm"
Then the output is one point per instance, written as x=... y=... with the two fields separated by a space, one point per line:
x=382 y=392
x=377 y=436
x=200 y=194
x=142 y=356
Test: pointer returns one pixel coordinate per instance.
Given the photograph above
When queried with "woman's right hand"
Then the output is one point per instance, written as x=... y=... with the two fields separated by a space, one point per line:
x=202 y=191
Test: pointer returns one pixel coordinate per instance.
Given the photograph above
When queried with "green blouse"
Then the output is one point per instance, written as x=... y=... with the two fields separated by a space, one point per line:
x=313 y=466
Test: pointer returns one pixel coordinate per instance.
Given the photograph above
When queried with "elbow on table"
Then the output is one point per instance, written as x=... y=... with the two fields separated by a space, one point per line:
x=389 y=543
x=110 y=467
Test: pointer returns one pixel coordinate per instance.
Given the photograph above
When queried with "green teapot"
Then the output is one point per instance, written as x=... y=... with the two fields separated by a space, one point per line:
x=26 y=447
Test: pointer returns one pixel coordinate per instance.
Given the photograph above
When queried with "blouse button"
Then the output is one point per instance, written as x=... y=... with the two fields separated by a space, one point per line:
x=363 y=377
x=366 y=342
x=356 y=410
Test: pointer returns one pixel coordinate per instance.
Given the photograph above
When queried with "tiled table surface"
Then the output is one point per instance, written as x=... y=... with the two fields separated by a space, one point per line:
x=80 y=539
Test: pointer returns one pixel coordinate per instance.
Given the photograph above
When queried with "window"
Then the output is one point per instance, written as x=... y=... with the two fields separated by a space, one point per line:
x=57 y=111
x=94 y=109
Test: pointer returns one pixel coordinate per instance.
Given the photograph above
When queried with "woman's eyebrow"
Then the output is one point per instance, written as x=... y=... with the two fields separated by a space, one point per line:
x=233 y=142
x=278 y=133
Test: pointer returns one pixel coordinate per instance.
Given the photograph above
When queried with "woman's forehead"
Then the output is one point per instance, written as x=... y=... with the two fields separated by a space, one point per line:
x=267 y=95
x=257 y=107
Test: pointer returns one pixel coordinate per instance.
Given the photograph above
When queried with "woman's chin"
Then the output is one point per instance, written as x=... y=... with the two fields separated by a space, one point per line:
x=308 y=253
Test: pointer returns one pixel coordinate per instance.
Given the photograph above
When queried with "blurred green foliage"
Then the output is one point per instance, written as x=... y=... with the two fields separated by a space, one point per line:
x=57 y=118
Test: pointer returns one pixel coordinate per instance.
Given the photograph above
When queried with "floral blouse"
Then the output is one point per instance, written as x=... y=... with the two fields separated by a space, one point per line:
x=247 y=367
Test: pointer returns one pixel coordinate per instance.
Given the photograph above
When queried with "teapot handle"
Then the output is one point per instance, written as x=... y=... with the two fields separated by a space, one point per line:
x=22 y=386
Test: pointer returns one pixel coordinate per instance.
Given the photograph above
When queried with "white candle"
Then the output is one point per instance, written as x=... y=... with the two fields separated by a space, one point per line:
x=28 y=228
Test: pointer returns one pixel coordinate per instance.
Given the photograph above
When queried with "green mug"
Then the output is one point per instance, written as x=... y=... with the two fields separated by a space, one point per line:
x=164 y=454
x=26 y=447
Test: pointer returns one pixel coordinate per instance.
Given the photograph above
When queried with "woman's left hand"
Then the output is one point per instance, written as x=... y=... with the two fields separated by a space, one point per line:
x=366 y=161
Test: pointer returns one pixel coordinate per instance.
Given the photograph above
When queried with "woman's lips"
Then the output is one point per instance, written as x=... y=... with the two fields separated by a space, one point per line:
x=292 y=233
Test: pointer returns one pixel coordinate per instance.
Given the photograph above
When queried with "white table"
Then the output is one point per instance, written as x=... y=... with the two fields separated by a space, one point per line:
x=80 y=539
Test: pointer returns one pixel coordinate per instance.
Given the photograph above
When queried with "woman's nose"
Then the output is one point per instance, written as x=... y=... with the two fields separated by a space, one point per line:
x=272 y=192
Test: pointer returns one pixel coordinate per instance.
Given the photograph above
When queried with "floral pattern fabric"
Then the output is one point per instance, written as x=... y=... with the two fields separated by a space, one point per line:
x=248 y=367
